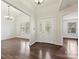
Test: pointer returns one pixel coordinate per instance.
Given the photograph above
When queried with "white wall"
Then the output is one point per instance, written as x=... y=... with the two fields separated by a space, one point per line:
x=23 y=19
x=7 y=26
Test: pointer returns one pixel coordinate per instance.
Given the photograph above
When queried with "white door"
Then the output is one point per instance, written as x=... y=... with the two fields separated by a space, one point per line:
x=46 y=30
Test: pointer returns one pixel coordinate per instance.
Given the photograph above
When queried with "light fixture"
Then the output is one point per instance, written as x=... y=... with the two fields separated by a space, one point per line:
x=8 y=17
x=38 y=1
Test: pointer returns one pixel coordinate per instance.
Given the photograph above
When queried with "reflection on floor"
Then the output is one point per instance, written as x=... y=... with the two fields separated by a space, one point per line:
x=19 y=49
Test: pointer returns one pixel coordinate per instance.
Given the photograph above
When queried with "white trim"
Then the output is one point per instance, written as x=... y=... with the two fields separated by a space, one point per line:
x=60 y=4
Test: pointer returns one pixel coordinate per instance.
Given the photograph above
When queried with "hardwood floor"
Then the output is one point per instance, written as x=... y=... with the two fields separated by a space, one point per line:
x=19 y=49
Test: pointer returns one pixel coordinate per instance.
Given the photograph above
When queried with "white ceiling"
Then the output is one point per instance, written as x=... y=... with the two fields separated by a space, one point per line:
x=67 y=3
x=47 y=7
x=14 y=12
x=26 y=6
x=49 y=2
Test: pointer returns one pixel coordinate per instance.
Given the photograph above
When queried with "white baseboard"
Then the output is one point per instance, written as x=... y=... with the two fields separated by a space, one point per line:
x=61 y=44
x=31 y=43
x=7 y=38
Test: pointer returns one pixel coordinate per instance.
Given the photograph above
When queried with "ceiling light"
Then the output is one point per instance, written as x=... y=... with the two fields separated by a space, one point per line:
x=8 y=17
x=38 y=1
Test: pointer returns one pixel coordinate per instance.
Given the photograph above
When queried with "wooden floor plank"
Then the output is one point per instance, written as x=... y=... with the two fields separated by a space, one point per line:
x=18 y=48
